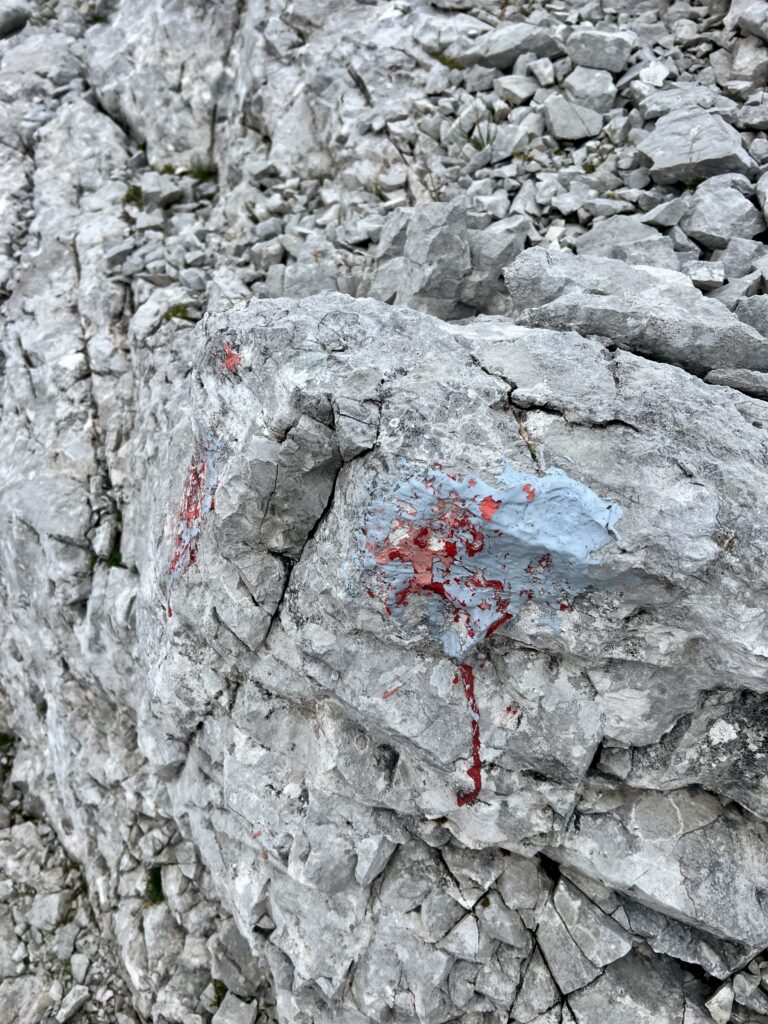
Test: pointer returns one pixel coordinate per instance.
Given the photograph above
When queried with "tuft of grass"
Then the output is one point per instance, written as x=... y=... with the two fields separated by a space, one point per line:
x=115 y=559
x=133 y=195
x=219 y=991
x=449 y=62
x=204 y=171
x=693 y=183
x=481 y=136
x=93 y=16
x=168 y=169
x=154 y=887
x=178 y=312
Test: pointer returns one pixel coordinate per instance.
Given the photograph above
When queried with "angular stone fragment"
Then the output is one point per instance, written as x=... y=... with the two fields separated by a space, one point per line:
x=749 y=381
x=720 y=1004
x=501 y=47
x=595 y=48
x=568 y=121
x=634 y=990
x=719 y=212
x=753 y=310
x=690 y=144
x=629 y=239
x=606 y=297
x=751 y=16
x=705 y=276
x=13 y=17
x=538 y=991
x=600 y=939
x=437 y=259
x=235 y=1011
x=659 y=845
x=73 y=1001
x=514 y=89
x=592 y=88
x=569 y=966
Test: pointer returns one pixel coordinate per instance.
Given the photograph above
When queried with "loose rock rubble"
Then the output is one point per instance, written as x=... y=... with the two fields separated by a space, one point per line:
x=316 y=322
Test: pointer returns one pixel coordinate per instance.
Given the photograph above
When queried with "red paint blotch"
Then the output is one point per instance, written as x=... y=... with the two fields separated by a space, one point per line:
x=231 y=358
x=489 y=507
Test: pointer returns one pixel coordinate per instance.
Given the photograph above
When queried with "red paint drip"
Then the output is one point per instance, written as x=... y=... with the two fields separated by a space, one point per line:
x=489 y=507
x=191 y=515
x=231 y=358
x=474 y=772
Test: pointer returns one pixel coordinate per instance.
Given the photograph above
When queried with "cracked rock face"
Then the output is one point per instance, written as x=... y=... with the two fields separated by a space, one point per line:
x=368 y=610
x=382 y=550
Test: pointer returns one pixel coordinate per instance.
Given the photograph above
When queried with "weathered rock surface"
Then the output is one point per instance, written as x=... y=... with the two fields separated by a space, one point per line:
x=364 y=665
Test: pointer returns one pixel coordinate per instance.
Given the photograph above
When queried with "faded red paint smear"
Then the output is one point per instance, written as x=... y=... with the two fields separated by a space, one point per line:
x=475 y=771
x=489 y=507
x=232 y=359
x=190 y=517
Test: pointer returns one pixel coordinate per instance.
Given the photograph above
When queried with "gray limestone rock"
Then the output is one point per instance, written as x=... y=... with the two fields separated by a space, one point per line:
x=437 y=259
x=13 y=17
x=688 y=144
x=635 y=990
x=630 y=239
x=569 y=121
x=751 y=382
x=608 y=298
x=719 y=211
x=73 y=1001
x=501 y=47
x=373 y=666
x=750 y=16
x=592 y=88
x=596 y=48
x=753 y=310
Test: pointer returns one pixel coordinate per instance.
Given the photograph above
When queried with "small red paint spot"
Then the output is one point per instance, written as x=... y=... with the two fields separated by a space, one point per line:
x=264 y=855
x=565 y=607
x=231 y=358
x=530 y=492
x=170 y=612
x=371 y=593
x=388 y=693
x=511 y=709
x=489 y=507
x=255 y=835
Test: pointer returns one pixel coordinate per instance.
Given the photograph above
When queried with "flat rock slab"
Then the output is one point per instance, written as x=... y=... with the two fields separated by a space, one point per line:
x=607 y=297
x=690 y=144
